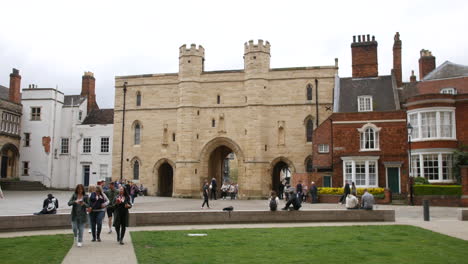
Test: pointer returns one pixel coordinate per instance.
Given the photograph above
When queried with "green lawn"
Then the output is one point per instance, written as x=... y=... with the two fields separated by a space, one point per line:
x=35 y=249
x=351 y=244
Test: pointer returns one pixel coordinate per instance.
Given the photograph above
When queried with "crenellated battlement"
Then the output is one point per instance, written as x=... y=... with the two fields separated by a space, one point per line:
x=192 y=50
x=259 y=47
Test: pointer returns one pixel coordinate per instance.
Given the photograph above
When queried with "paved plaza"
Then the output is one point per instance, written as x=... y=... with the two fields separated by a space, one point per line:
x=443 y=220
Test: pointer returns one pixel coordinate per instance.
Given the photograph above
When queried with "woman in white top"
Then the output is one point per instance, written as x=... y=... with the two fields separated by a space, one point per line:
x=273 y=201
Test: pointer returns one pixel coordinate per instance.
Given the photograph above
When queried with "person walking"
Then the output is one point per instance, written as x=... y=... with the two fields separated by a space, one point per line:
x=205 y=190
x=214 y=187
x=111 y=194
x=313 y=193
x=133 y=191
x=98 y=203
x=121 y=203
x=91 y=189
x=346 y=191
x=79 y=200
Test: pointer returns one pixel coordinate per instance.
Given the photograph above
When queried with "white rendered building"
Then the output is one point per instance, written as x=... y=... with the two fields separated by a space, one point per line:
x=62 y=137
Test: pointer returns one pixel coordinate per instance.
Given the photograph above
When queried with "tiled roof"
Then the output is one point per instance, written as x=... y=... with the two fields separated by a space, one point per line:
x=76 y=99
x=447 y=70
x=381 y=88
x=408 y=90
x=100 y=117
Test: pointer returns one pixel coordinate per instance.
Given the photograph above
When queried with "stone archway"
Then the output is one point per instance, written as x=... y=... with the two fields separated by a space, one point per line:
x=9 y=161
x=212 y=157
x=277 y=167
x=164 y=171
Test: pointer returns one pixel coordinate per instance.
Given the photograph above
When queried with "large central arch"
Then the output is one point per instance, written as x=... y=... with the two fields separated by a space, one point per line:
x=212 y=156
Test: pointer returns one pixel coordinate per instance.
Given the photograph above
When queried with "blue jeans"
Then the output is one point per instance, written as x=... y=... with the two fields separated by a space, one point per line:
x=96 y=223
x=78 y=228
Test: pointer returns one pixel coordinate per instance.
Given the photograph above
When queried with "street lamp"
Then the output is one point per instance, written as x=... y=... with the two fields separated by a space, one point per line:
x=411 y=178
x=123 y=130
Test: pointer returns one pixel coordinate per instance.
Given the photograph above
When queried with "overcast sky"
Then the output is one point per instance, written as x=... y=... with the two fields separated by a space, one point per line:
x=53 y=42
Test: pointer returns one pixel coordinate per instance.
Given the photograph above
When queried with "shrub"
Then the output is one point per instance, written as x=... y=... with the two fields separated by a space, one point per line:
x=420 y=180
x=437 y=189
x=339 y=191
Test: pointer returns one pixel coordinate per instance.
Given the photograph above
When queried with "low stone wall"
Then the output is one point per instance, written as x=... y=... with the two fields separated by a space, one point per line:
x=62 y=221
x=463 y=215
x=327 y=198
x=34 y=222
x=438 y=200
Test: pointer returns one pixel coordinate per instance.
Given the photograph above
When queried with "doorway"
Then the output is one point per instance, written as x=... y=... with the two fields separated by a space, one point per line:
x=86 y=170
x=4 y=169
x=165 y=181
x=281 y=173
x=393 y=179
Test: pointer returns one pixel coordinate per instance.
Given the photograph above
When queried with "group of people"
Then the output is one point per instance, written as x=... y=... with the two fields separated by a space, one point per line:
x=352 y=201
x=209 y=191
x=302 y=191
x=229 y=189
x=92 y=206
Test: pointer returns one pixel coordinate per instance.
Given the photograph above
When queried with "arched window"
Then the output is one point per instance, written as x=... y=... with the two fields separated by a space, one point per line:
x=218 y=99
x=309 y=165
x=137 y=134
x=213 y=122
x=136 y=170
x=369 y=137
x=309 y=130
x=138 y=99
x=309 y=92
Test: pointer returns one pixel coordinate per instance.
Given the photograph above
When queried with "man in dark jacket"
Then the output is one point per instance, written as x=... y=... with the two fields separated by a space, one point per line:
x=214 y=187
x=313 y=192
x=49 y=206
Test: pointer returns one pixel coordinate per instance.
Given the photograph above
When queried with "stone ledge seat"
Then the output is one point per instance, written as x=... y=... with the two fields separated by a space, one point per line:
x=61 y=221
x=463 y=214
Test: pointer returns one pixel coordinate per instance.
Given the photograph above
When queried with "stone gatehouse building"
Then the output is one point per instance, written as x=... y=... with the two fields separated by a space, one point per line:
x=179 y=127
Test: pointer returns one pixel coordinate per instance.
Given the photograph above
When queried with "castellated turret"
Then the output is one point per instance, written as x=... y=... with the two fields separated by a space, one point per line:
x=191 y=60
x=257 y=57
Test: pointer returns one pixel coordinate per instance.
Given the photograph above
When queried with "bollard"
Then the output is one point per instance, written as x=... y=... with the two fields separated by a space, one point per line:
x=426 y=210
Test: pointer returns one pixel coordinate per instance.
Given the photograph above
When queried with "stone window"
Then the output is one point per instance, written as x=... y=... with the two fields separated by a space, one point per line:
x=173 y=137
x=65 y=145
x=27 y=139
x=25 y=168
x=138 y=99
x=35 y=113
x=136 y=170
x=365 y=103
x=87 y=145
x=213 y=122
x=309 y=92
x=309 y=166
x=369 y=137
x=137 y=134
x=10 y=123
x=309 y=130
x=218 y=99
x=105 y=145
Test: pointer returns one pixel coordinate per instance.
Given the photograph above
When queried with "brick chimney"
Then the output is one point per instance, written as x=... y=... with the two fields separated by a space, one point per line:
x=427 y=63
x=412 y=77
x=364 y=56
x=88 y=89
x=397 y=59
x=14 y=94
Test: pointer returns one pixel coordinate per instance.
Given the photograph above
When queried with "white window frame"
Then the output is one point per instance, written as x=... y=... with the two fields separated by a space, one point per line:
x=323 y=148
x=36 y=116
x=363 y=138
x=368 y=160
x=86 y=146
x=420 y=173
x=448 y=90
x=417 y=134
x=103 y=145
x=62 y=146
x=103 y=171
x=363 y=102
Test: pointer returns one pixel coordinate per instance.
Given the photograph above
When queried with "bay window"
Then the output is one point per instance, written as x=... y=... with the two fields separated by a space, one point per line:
x=432 y=123
x=435 y=167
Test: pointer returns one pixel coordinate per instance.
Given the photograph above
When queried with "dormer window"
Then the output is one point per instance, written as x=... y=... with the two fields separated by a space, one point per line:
x=448 y=91
x=365 y=103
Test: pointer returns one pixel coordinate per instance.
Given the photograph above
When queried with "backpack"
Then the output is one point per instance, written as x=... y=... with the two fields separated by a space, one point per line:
x=273 y=204
x=51 y=205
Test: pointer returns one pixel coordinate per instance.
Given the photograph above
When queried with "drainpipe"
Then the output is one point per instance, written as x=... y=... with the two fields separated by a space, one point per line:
x=316 y=104
x=123 y=130
x=69 y=146
x=53 y=139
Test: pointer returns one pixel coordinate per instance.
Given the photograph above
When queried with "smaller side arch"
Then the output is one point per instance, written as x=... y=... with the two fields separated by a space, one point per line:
x=164 y=171
x=285 y=160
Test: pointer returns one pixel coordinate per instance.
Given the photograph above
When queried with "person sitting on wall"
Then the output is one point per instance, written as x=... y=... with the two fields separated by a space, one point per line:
x=294 y=200
x=367 y=200
x=49 y=206
x=352 y=202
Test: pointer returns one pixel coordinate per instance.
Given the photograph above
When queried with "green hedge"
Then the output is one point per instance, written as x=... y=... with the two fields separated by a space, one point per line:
x=437 y=189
